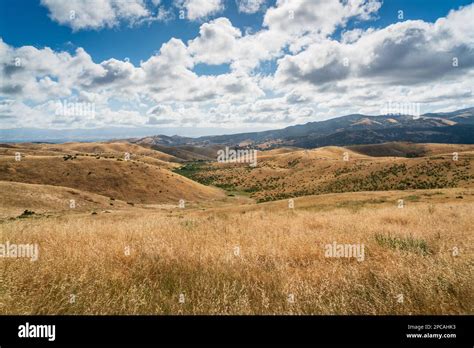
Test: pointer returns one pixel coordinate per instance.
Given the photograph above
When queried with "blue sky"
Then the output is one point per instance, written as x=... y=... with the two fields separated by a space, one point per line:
x=271 y=64
x=26 y=22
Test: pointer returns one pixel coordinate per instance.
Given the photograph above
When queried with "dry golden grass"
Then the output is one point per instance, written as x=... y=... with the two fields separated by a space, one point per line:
x=45 y=199
x=192 y=252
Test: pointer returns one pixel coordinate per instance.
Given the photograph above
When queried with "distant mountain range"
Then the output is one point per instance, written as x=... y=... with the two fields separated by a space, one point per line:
x=455 y=127
x=14 y=135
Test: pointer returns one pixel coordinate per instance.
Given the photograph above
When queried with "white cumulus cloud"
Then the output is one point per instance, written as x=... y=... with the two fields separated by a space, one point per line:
x=84 y=14
x=200 y=9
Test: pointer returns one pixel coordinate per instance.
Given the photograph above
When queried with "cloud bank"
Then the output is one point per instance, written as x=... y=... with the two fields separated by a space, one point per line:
x=314 y=73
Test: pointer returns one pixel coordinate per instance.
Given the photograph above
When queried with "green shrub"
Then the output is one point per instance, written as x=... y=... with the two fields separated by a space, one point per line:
x=405 y=243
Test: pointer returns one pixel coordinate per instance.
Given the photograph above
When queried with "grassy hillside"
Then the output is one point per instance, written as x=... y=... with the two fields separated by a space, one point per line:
x=250 y=260
x=143 y=179
x=107 y=150
x=45 y=199
x=324 y=170
x=189 y=153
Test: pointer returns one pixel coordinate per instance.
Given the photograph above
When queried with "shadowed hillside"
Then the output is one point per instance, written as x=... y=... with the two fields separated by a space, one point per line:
x=405 y=149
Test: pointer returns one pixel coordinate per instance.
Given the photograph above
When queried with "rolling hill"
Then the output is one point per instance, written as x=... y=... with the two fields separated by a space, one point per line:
x=143 y=179
x=283 y=174
x=16 y=198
